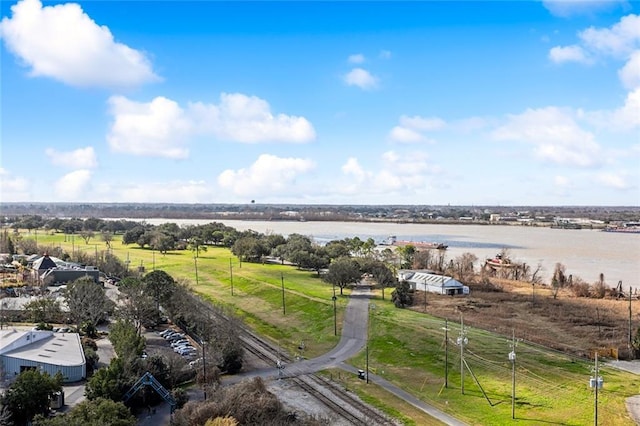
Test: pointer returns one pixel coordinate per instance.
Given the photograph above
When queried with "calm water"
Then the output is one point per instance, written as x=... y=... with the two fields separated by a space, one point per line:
x=585 y=253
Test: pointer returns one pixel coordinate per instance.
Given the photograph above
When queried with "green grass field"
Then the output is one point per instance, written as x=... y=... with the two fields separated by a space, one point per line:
x=406 y=348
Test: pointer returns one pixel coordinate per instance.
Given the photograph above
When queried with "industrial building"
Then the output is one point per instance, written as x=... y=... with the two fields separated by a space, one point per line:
x=432 y=283
x=45 y=351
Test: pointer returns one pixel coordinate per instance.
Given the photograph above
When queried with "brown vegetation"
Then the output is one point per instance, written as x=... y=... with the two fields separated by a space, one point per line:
x=575 y=325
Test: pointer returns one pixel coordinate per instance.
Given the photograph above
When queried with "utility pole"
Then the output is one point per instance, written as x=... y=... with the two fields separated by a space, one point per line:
x=425 y=297
x=335 y=316
x=231 y=275
x=630 y=335
x=462 y=341
x=284 y=310
x=195 y=263
x=512 y=358
x=446 y=353
x=596 y=383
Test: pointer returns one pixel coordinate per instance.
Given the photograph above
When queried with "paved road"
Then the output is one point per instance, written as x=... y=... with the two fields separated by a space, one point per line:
x=353 y=340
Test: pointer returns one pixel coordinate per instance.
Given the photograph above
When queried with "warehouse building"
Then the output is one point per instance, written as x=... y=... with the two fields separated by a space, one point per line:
x=45 y=351
x=432 y=283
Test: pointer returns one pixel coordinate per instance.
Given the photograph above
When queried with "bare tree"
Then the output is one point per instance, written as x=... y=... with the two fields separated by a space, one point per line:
x=559 y=279
x=463 y=266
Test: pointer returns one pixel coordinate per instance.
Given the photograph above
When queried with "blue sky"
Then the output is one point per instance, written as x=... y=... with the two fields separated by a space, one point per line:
x=484 y=103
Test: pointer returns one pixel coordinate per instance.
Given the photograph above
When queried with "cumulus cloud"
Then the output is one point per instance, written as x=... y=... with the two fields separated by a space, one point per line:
x=411 y=129
x=268 y=175
x=64 y=43
x=162 y=127
x=73 y=185
x=573 y=53
x=356 y=58
x=630 y=72
x=568 y=8
x=361 y=78
x=397 y=172
x=554 y=134
x=158 y=128
x=242 y=118
x=84 y=158
x=13 y=188
x=620 y=41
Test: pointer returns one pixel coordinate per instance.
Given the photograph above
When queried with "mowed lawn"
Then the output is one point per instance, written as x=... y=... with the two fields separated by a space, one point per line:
x=406 y=347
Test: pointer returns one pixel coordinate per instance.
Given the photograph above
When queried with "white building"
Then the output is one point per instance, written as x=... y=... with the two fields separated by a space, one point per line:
x=433 y=283
x=45 y=351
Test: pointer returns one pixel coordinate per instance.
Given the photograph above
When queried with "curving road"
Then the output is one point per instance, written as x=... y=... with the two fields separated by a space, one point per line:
x=352 y=341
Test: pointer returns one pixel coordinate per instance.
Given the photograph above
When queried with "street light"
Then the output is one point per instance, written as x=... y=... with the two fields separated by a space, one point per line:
x=231 y=275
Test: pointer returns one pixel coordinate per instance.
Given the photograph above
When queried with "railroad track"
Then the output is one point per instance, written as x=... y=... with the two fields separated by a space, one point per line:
x=331 y=395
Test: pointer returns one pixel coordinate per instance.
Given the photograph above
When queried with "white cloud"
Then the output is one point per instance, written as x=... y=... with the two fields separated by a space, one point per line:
x=409 y=172
x=13 y=188
x=404 y=135
x=353 y=168
x=242 y=118
x=162 y=128
x=385 y=54
x=555 y=135
x=73 y=185
x=573 y=53
x=567 y=8
x=361 y=78
x=158 y=128
x=422 y=123
x=268 y=175
x=80 y=158
x=356 y=58
x=630 y=72
x=625 y=118
x=64 y=43
x=619 y=41
x=411 y=129
x=613 y=180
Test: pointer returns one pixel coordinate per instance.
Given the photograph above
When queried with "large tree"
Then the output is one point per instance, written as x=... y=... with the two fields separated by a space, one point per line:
x=97 y=412
x=137 y=305
x=29 y=395
x=87 y=301
x=160 y=286
x=402 y=296
x=126 y=341
x=342 y=272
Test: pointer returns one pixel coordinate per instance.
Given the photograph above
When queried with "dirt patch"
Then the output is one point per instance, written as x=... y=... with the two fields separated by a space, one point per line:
x=569 y=324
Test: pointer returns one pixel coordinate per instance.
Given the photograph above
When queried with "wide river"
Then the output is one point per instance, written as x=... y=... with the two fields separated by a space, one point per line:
x=585 y=253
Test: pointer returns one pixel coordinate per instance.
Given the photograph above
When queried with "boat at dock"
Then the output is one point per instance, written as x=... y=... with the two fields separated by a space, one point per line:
x=423 y=245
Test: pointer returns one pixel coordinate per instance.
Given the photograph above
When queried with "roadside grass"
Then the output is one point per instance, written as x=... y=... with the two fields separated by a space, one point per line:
x=376 y=396
x=405 y=347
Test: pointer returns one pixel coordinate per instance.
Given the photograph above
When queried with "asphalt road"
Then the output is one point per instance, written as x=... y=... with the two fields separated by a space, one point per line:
x=353 y=340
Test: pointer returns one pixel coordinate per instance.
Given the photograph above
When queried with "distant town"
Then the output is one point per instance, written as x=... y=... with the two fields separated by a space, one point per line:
x=556 y=216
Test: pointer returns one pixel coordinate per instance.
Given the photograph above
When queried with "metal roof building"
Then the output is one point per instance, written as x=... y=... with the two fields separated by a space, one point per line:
x=433 y=283
x=42 y=350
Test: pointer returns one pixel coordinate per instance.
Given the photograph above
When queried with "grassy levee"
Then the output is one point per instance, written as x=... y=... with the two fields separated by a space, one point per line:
x=407 y=348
